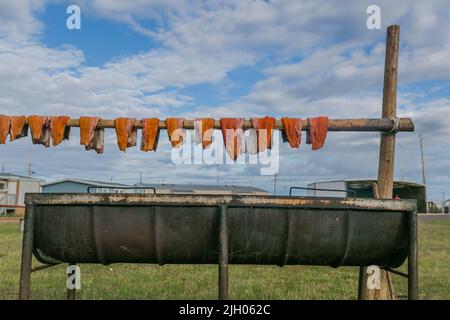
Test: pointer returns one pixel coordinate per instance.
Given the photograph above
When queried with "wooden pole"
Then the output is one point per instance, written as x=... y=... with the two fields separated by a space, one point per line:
x=369 y=125
x=387 y=143
x=360 y=125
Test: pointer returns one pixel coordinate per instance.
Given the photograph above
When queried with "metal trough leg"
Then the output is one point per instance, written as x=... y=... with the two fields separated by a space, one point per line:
x=413 y=269
x=70 y=292
x=362 y=283
x=223 y=254
x=27 y=253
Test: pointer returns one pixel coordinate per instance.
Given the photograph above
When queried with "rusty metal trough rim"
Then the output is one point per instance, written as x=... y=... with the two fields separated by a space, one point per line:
x=218 y=200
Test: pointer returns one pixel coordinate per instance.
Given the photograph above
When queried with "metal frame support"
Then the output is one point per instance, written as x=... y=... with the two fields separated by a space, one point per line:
x=362 y=283
x=399 y=273
x=44 y=266
x=223 y=253
x=27 y=253
x=413 y=263
x=27 y=257
x=71 y=292
x=413 y=257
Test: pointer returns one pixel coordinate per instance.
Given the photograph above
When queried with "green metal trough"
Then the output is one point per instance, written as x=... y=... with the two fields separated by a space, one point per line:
x=216 y=229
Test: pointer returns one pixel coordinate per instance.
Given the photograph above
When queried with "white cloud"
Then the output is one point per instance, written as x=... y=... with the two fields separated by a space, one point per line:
x=18 y=20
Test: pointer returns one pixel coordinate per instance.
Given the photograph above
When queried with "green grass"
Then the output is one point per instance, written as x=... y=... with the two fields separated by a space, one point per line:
x=131 y=281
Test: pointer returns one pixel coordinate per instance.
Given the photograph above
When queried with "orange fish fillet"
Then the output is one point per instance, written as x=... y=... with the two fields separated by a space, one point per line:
x=317 y=132
x=292 y=131
x=5 y=124
x=90 y=136
x=124 y=129
x=150 y=134
x=59 y=128
x=175 y=130
x=263 y=127
x=40 y=130
x=233 y=135
x=19 y=127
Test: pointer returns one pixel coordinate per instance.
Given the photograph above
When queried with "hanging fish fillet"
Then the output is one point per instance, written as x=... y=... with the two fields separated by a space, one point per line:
x=19 y=127
x=60 y=130
x=292 y=132
x=233 y=136
x=90 y=136
x=126 y=134
x=175 y=130
x=36 y=124
x=204 y=128
x=87 y=128
x=40 y=130
x=263 y=127
x=317 y=132
x=5 y=124
x=150 y=134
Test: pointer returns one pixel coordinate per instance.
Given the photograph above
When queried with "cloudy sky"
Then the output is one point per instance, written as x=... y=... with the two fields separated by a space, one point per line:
x=161 y=58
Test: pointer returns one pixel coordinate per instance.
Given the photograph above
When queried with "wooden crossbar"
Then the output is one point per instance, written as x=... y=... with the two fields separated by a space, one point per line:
x=384 y=124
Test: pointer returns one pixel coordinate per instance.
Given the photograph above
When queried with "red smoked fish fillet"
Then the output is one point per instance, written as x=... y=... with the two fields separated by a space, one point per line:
x=126 y=134
x=150 y=134
x=90 y=136
x=204 y=128
x=36 y=124
x=87 y=128
x=19 y=127
x=317 y=132
x=233 y=136
x=175 y=131
x=292 y=132
x=40 y=130
x=263 y=127
x=5 y=124
x=60 y=130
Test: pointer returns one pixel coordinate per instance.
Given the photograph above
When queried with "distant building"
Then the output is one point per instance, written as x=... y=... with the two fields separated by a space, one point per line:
x=81 y=186
x=362 y=188
x=12 y=191
x=199 y=189
x=446 y=206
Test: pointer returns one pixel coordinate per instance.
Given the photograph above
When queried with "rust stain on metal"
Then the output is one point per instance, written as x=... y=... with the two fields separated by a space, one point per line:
x=215 y=200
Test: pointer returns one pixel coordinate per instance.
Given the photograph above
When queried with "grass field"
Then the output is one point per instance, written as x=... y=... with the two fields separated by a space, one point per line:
x=125 y=281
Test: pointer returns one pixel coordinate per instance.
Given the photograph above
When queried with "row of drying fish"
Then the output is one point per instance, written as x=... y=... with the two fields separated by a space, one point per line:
x=43 y=129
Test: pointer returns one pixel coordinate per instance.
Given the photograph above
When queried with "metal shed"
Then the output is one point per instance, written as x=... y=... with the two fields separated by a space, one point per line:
x=362 y=188
x=200 y=189
x=80 y=186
